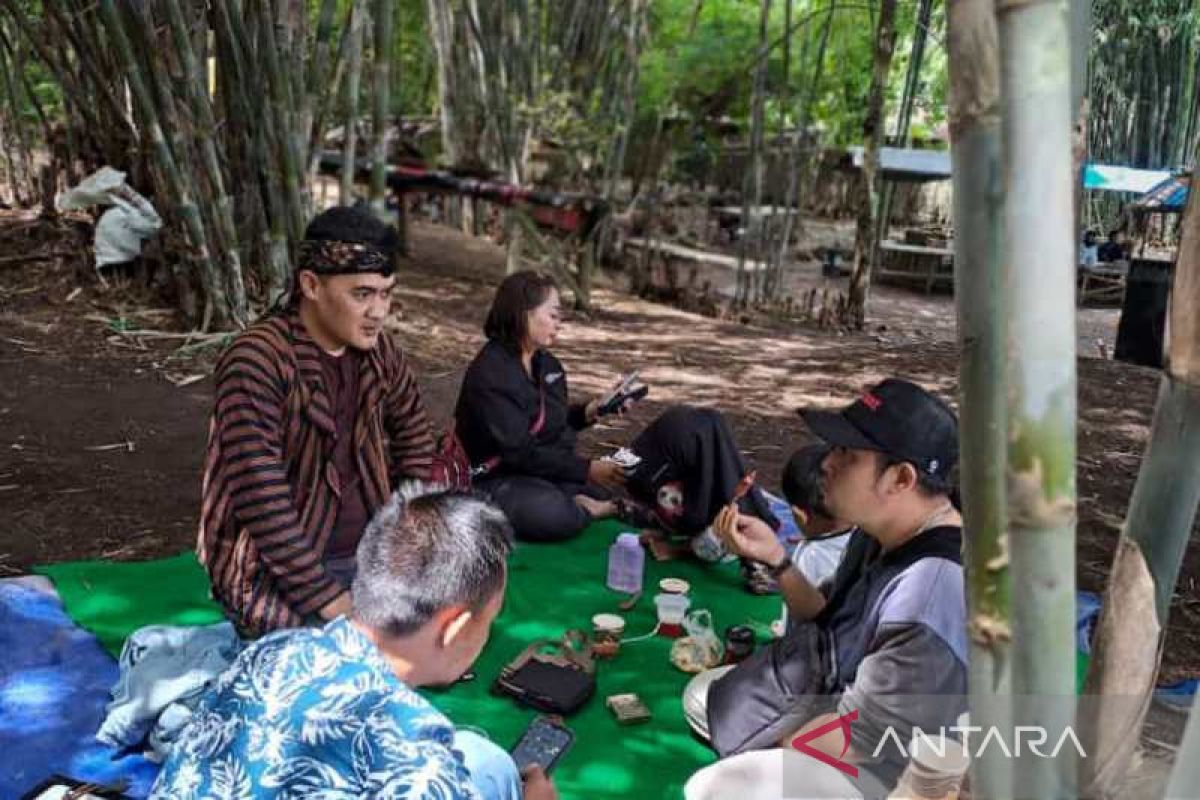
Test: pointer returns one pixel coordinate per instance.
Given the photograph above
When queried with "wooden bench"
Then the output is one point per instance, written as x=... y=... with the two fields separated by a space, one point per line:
x=915 y=262
x=678 y=252
x=1103 y=283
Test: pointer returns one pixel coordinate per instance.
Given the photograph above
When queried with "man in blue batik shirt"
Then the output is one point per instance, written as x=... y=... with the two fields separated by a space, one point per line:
x=332 y=711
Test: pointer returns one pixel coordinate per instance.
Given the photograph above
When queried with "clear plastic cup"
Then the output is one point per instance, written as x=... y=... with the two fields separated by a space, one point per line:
x=671 y=609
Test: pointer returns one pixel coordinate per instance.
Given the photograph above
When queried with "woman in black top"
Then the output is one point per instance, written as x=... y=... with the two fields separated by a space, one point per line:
x=516 y=422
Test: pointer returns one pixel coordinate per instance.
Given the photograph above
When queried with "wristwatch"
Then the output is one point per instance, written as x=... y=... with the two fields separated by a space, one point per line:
x=776 y=570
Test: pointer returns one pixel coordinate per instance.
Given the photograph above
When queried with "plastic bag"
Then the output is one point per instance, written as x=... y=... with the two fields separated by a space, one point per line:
x=701 y=649
x=98 y=189
x=122 y=228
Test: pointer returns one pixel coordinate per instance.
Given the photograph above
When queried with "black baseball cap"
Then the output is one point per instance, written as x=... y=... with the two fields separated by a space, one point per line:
x=897 y=418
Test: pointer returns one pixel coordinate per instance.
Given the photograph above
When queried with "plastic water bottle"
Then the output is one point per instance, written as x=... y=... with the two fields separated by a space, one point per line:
x=626 y=562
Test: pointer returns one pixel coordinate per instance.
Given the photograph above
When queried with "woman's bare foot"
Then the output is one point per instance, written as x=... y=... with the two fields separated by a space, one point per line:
x=598 y=509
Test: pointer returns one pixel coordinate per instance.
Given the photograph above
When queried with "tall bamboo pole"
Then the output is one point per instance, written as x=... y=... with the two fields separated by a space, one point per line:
x=18 y=55
x=974 y=60
x=247 y=82
x=16 y=127
x=317 y=78
x=358 y=25
x=752 y=181
x=381 y=100
x=801 y=160
x=1041 y=386
x=327 y=94
x=1162 y=511
x=279 y=122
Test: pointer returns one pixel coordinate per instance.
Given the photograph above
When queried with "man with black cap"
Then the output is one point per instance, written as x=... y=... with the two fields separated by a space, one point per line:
x=317 y=419
x=889 y=632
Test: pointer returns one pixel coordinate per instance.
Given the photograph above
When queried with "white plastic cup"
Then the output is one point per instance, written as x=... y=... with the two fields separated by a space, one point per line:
x=936 y=766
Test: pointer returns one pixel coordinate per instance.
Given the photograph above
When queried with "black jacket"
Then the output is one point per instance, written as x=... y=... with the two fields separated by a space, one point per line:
x=497 y=406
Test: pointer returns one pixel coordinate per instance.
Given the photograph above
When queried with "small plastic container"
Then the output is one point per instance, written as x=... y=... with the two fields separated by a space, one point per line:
x=607 y=630
x=626 y=564
x=671 y=609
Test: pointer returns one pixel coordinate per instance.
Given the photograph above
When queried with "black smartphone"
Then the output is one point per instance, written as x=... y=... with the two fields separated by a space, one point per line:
x=543 y=743
x=625 y=392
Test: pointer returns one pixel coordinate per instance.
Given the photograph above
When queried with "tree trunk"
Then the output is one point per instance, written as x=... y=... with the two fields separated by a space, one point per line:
x=1041 y=384
x=868 y=195
x=1162 y=511
x=978 y=191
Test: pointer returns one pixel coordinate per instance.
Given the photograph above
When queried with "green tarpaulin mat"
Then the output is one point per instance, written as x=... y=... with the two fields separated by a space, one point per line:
x=559 y=586
x=551 y=588
x=112 y=599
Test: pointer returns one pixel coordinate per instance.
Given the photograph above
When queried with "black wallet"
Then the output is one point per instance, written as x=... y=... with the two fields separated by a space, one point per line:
x=556 y=682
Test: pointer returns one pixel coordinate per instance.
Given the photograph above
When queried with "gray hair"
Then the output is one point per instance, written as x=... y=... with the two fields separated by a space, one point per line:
x=426 y=549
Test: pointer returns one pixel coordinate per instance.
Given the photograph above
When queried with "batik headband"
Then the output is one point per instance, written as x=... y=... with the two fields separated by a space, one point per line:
x=326 y=257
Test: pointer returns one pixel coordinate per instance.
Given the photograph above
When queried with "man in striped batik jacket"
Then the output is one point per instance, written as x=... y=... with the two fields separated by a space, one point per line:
x=317 y=419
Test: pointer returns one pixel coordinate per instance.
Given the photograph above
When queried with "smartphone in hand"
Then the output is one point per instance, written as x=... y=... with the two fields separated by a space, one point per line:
x=626 y=392
x=543 y=743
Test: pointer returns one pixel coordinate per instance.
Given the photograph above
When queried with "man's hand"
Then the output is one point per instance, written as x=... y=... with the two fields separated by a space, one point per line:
x=748 y=537
x=337 y=607
x=538 y=785
x=608 y=474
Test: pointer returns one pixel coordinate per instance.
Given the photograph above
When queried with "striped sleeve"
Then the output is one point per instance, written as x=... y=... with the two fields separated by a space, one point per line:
x=249 y=424
x=410 y=439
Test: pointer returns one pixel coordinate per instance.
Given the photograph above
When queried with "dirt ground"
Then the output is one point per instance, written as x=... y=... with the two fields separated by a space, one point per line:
x=101 y=433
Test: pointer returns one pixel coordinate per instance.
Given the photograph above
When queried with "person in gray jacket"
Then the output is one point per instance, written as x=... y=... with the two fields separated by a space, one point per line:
x=889 y=632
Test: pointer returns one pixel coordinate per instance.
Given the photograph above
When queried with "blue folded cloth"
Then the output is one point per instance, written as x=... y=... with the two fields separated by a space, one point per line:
x=164 y=671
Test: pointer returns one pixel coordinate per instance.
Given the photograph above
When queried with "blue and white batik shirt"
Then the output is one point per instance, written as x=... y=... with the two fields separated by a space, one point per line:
x=314 y=712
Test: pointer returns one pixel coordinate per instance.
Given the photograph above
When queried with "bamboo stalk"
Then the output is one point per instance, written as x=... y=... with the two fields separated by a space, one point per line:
x=326 y=99
x=902 y=137
x=268 y=201
x=1158 y=526
x=17 y=57
x=88 y=53
x=196 y=81
x=1041 y=385
x=868 y=192
x=57 y=64
x=16 y=128
x=752 y=181
x=383 y=17
x=318 y=73
x=178 y=189
x=974 y=111
x=800 y=162
x=280 y=133
x=353 y=76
